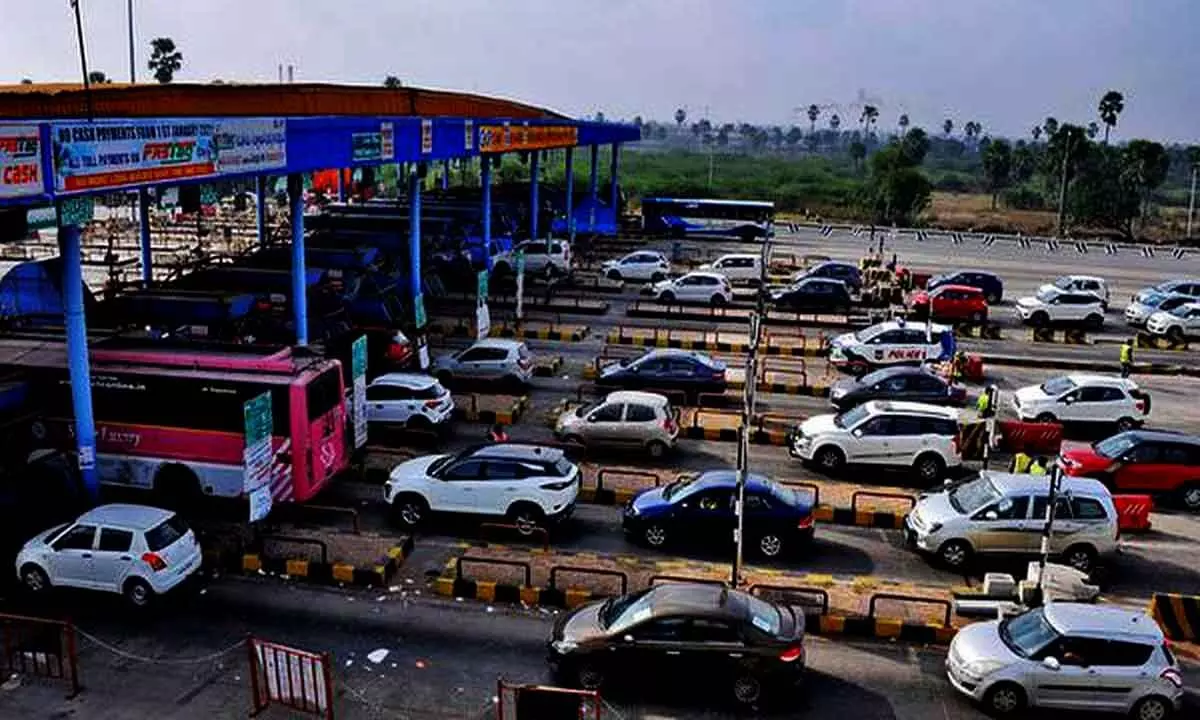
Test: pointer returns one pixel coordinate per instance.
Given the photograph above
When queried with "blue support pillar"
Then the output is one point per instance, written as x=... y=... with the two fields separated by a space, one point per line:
x=144 y=236
x=69 y=238
x=485 y=181
x=593 y=186
x=260 y=208
x=341 y=186
x=614 y=188
x=570 y=173
x=445 y=174
x=299 y=286
x=414 y=230
x=534 y=166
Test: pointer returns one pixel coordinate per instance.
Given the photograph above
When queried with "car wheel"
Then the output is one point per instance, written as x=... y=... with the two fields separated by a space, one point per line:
x=1080 y=557
x=1045 y=418
x=528 y=518
x=1126 y=423
x=1175 y=333
x=589 y=677
x=34 y=579
x=1004 y=699
x=1095 y=322
x=667 y=297
x=614 y=275
x=409 y=510
x=138 y=592
x=830 y=459
x=977 y=318
x=1190 y=495
x=747 y=689
x=929 y=468
x=656 y=449
x=955 y=554
x=1039 y=319
x=770 y=545
x=1152 y=708
x=717 y=300
x=655 y=535
x=418 y=423
x=992 y=299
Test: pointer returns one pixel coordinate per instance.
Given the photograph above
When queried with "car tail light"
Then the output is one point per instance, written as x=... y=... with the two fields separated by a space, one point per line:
x=431 y=404
x=806 y=522
x=669 y=424
x=1172 y=676
x=154 y=561
x=954 y=444
x=556 y=486
x=397 y=351
x=797 y=653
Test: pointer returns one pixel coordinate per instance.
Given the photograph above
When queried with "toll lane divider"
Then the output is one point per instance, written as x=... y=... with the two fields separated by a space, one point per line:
x=821 y=622
x=324 y=572
x=776 y=345
x=1178 y=615
x=552 y=331
x=548 y=366
x=653 y=309
x=505 y=410
x=1159 y=342
x=1068 y=336
x=1062 y=363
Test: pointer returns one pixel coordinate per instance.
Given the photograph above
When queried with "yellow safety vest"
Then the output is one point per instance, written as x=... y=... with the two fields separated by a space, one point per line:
x=1035 y=468
x=982 y=404
x=1126 y=353
x=1021 y=463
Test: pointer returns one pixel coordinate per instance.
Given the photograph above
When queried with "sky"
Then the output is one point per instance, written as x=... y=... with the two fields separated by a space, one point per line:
x=1006 y=64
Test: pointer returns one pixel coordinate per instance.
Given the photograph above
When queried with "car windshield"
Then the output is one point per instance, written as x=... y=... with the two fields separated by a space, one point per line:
x=971 y=496
x=673 y=489
x=1058 y=385
x=1063 y=282
x=1028 y=634
x=763 y=615
x=1047 y=295
x=166 y=533
x=1181 y=310
x=440 y=463
x=1115 y=446
x=1152 y=299
x=871 y=378
x=850 y=418
x=865 y=334
x=619 y=613
x=586 y=408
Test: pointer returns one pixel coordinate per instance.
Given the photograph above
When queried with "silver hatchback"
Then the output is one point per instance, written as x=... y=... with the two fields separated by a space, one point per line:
x=623 y=419
x=1070 y=656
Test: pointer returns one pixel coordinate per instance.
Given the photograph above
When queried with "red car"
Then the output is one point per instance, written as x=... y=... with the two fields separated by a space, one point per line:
x=1142 y=461
x=951 y=302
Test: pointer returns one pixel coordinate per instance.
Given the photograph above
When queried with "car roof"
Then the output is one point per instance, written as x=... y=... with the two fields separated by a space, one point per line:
x=827 y=263
x=728 y=478
x=962 y=288
x=1177 y=281
x=636 y=396
x=876 y=407
x=750 y=256
x=973 y=271
x=1106 y=380
x=703 y=273
x=1024 y=482
x=502 y=343
x=1163 y=436
x=670 y=352
x=135 y=517
x=1103 y=621
x=934 y=328
x=415 y=381
x=894 y=370
x=1097 y=278
x=515 y=451
x=698 y=600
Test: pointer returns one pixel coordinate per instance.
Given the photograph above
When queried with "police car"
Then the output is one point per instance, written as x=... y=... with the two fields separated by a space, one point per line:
x=894 y=342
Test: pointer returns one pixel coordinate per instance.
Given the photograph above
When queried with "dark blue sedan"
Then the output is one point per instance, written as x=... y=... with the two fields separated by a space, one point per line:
x=701 y=510
x=682 y=371
x=988 y=283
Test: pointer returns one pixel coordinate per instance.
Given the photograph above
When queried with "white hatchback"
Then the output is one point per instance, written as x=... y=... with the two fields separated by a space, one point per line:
x=641 y=265
x=411 y=400
x=695 y=287
x=741 y=268
x=1082 y=398
x=134 y=550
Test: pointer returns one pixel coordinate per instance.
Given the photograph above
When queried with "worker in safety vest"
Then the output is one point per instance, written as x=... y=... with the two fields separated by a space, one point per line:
x=984 y=405
x=1039 y=466
x=1126 y=357
x=1020 y=463
x=497 y=434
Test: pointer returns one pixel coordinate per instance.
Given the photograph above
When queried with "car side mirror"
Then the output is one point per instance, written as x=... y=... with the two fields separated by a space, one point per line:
x=991 y=515
x=1051 y=663
x=592 y=418
x=629 y=639
x=1068 y=400
x=857 y=433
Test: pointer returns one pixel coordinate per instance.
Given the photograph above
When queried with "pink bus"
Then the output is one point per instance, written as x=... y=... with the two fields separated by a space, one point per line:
x=171 y=418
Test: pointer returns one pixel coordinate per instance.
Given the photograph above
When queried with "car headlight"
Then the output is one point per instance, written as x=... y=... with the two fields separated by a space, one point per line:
x=983 y=668
x=563 y=647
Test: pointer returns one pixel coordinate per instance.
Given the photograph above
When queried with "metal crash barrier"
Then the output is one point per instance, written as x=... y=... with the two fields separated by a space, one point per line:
x=299 y=680
x=543 y=702
x=805 y=597
x=912 y=501
x=946 y=605
x=39 y=648
x=659 y=579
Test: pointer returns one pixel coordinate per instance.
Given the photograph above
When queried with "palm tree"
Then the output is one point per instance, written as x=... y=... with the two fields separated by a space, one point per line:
x=813 y=113
x=835 y=122
x=870 y=114
x=165 y=59
x=1092 y=130
x=680 y=116
x=903 y=124
x=1111 y=106
x=947 y=127
x=97 y=77
x=1036 y=132
x=858 y=152
x=1050 y=125
x=393 y=82
x=972 y=130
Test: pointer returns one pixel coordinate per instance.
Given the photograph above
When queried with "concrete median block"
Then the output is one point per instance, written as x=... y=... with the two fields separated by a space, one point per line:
x=888 y=627
x=819 y=579
x=251 y=563
x=831 y=624
x=297 y=568
x=823 y=513
x=485 y=590
x=530 y=595
x=343 y=573
x=577 y=597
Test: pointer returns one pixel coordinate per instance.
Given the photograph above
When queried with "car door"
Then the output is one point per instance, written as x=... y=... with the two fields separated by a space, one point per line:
x=893 y=388
x=1118 y=672
x=712 y=649
x=500 y=485
x=470 y=362
x=457 y=488
x=604 y=424
x=493 y=364
x=387 y=403
x=686 y=288
x=706 y=518
x=1064 y=524
x=1073 y=683
x=870 y=442
x=113 y=558
x=1003 y=526
x=928 y=389
x=652 y=649
x=906 y=439
x=71 y=563
x=638 y=425
x=1142 y=468
x=1094 y=405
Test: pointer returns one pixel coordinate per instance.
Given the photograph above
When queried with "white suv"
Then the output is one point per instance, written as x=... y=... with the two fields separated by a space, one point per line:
x=882 y=433
x=695 y=287
x=490 y=359
x=1081 y=398
x=740 y=268
x=529 y=485
x=642 y=265
x=1052 y=305
x=1070 y=656
x=411 y=400
x=1089 y=284
x=1182 y=322
x=542 y=257
x=134 y=550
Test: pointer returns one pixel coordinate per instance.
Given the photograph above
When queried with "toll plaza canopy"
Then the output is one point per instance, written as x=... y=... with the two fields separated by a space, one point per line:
x=147 y=135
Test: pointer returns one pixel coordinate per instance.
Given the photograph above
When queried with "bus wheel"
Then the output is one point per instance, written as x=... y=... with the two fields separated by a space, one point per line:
x=178 y=486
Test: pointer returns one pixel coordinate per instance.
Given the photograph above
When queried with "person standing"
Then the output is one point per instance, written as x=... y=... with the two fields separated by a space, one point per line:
x=1126 y=357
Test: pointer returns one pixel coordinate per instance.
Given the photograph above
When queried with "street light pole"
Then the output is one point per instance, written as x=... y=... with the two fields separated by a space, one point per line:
x=1192 y=200
x=1048 y=530
x=87 y=87
x=1062 y=188
x=132 y=61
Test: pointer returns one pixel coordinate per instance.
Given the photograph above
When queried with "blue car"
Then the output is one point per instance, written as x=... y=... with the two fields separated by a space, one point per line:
x=700 y=510
x=669 y=371
x=848 y=273
x=988 y=283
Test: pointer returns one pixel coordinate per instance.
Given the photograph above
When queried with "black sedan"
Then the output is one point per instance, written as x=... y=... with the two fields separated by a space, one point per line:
x=813 y=295
x=690 y=373
x=701 y=636
x=910 y=383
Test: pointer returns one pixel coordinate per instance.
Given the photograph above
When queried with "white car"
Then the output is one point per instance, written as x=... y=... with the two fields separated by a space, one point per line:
x=695 y=287
x=411 y=400
x=133 y=550
x=1081 y=398
x=489 y=359
x=1178 y=324
x=1069 y=656
x=911 y=435
x=542 y=257
x=895 y=342
x=530 y=486
x=741 y=268
x=1089 y=284
x=641 y=265
x=1054 y=306
x=1148 y=302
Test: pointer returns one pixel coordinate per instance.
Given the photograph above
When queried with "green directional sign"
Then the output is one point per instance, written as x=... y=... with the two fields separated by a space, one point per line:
x=358 y=357
x=41 y=218
x=419 y=311
x=358 y=371
x=208 y=195
x=258 y=419
x=482 y=284
x=520 y=261
x=76 y=211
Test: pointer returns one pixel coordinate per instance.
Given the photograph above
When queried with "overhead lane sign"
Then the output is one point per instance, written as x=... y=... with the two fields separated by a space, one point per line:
x=509 y=137
x=20 y=161
x=113 y=154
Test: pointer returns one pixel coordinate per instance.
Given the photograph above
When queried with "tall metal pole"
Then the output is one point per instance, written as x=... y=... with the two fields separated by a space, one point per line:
x=1062 y=188
x=1048 y=530
x=132 y=65
x=1192 y=200
x=87 y=87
